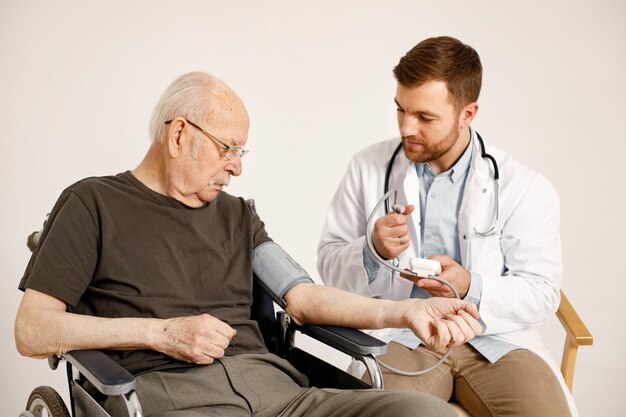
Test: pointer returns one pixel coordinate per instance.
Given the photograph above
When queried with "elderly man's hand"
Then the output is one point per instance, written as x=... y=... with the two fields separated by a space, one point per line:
x=443 y=323
x=198 y=339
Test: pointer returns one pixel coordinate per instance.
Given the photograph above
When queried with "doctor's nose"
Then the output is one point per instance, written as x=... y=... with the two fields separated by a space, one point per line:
x=409 y=126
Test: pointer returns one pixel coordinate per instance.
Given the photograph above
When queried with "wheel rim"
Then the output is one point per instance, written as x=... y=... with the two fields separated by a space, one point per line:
x=39 y=409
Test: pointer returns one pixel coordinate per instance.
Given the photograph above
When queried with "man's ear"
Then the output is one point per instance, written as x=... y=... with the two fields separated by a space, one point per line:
x=174 y=137
x=467 y=115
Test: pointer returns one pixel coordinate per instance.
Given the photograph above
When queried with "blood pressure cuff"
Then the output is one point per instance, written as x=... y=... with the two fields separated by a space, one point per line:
x=277 y=271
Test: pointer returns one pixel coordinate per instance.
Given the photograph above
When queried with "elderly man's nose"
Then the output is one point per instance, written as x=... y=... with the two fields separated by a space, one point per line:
x=234 y=166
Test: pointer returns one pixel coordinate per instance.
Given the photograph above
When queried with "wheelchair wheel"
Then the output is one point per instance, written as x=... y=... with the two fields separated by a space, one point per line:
x=46 y=402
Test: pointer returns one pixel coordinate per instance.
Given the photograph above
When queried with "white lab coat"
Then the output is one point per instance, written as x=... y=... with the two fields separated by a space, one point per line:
x=520 y=265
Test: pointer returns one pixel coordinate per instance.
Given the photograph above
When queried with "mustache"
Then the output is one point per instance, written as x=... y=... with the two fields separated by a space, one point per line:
x=223 y=180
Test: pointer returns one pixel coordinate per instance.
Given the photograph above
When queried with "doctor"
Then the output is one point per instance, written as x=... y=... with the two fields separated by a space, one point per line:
x=497 y=241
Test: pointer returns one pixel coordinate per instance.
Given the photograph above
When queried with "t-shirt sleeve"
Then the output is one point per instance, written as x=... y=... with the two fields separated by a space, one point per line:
x=65 y=259
x=258 y=230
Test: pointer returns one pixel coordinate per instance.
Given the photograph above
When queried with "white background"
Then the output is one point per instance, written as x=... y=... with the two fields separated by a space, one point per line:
x=78 y=80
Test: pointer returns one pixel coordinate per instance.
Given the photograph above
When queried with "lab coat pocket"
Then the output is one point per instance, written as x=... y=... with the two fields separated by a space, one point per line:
x=485 y=253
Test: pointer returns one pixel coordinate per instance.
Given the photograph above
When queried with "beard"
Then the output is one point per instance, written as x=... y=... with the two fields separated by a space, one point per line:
x=431 y=152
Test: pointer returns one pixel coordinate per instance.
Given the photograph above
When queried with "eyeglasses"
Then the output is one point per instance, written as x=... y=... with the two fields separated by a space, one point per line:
x=230 y=152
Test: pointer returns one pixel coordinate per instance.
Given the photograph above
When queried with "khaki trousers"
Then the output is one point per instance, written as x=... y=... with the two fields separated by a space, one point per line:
x=264 y=385
x=518 y=384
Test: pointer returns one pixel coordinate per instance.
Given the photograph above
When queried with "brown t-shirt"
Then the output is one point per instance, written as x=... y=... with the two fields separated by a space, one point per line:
x=114 y=248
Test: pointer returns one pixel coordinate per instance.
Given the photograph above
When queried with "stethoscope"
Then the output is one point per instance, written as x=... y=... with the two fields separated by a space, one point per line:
x=399 y=209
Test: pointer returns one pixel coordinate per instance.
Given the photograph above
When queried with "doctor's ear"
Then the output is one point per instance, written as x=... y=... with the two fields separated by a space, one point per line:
x=467 y=114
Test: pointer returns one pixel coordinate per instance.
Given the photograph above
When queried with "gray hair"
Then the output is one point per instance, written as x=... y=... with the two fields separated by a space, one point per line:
x=188 y=96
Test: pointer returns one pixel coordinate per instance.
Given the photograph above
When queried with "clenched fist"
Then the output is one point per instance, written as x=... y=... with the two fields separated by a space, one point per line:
x=198 y=339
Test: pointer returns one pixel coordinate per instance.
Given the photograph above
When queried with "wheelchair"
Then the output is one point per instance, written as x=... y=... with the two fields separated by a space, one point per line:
x=92 y=376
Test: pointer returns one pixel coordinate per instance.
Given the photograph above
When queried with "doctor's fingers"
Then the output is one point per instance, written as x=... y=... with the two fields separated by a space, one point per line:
x=435 y=288
x=392 y=220
x=396 y=244
x=444 y=260
x=410 y=277
x=394 y=239
x=390 y=226
x=393 y=232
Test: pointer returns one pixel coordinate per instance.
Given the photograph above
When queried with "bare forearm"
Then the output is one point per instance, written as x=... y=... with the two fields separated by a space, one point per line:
x=45 y=328
x=441 y=323
x=316 y=304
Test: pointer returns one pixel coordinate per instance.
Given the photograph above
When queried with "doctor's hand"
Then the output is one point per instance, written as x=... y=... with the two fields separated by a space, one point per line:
x=196 y=339
x=452 y=272
x=391 y=234
x=443 y=323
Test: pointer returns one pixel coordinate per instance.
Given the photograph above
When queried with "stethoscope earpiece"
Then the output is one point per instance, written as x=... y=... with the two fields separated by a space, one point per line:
x=398 y=208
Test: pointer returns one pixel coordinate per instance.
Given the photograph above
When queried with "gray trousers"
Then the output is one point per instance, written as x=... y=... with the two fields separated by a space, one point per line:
x=264 y=385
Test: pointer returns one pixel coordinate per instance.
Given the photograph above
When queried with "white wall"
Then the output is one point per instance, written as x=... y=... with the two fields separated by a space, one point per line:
x=78 y=80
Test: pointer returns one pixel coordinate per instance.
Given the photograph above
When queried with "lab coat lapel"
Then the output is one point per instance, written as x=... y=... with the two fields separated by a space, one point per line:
x=477 y=199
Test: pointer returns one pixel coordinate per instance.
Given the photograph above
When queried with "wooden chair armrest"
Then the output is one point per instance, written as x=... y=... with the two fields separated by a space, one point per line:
x=577 y=335
x=576 y=330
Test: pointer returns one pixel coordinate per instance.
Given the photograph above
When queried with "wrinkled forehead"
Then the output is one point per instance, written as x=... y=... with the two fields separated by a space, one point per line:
x=228 y=118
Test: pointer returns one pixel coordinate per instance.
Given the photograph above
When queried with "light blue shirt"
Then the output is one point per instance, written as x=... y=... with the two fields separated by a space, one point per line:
x=440 y=201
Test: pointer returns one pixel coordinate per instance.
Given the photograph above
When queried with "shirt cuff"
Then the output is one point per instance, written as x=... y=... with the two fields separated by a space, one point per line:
x=370 y=264
x=475 y=291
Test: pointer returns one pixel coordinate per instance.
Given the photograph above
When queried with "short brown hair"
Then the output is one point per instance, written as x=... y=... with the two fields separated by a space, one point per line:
x=443 y=59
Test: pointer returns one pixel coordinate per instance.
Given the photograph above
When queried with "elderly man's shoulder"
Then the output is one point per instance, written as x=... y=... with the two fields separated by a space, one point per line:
x=233 y=202
x=99 y=183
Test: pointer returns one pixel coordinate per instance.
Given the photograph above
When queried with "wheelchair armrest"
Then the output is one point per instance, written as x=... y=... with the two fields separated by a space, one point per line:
x=350 y=341
x=106 y=375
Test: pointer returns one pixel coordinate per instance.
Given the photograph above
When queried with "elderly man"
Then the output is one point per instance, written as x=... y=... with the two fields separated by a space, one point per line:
x=155 y=265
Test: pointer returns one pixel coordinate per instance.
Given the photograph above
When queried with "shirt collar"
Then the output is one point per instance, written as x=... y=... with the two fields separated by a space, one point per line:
x=462 y=165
